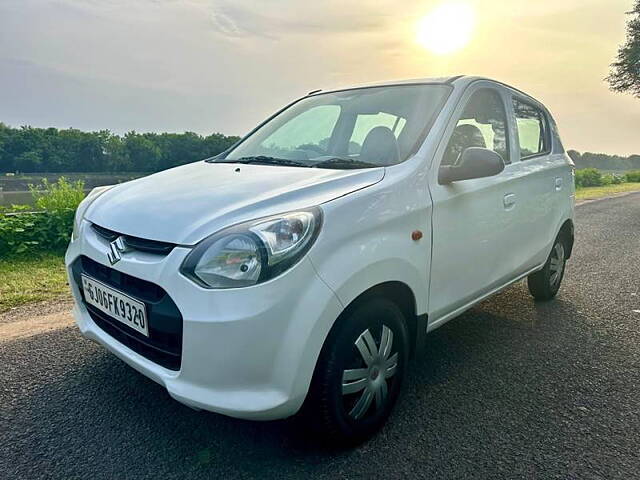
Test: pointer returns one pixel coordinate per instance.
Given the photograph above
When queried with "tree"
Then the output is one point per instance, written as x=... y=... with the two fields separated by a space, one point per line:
x=143 y=154
x=216 y=143
x=6 y=162
x=634 y=161
x=28 y=162
x=625 y=72
x=115 y=155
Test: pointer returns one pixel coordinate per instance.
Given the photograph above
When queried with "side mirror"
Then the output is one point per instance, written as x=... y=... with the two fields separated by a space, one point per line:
x=474 y=163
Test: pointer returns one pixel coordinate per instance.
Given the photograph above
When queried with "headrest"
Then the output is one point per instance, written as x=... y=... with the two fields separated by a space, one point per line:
x=380 y=147
x=469 y=136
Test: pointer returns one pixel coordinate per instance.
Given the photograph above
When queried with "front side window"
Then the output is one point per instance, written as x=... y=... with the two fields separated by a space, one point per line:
x=366 y=127
x=483 y=124
x=533 y=132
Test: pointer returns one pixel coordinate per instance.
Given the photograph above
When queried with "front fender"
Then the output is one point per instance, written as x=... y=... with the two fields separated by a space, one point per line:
x=348 y=288
x=366 y=240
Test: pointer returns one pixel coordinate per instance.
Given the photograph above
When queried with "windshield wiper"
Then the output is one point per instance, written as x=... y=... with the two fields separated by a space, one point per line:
x=265 y=160
x=344 y=163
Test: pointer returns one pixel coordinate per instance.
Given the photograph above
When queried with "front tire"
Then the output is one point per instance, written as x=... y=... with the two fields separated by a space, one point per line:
x=359 y=373
x=544 y=284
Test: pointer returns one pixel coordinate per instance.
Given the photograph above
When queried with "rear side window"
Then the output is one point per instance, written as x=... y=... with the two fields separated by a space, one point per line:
x=533 y=130
x=482 y=124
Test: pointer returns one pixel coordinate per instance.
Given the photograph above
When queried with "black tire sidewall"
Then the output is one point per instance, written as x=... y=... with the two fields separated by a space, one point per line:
x=540 y=282
x=553 y=290
x=371 y=314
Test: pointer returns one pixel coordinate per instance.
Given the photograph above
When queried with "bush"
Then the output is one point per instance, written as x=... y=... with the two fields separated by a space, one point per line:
x=47 y=229
x=633 y=176
x=589 y=177
x=54 y=197
x=612 y=179
x=617 y=179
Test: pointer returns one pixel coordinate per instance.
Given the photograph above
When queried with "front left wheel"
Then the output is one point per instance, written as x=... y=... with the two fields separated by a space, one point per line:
x=359 y=373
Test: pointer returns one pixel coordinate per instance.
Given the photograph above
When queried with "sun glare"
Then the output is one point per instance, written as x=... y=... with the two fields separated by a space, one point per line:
x=447 y=28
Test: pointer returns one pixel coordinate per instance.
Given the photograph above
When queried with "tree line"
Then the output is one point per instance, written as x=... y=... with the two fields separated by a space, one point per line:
x=603 y=161
x=27 y=150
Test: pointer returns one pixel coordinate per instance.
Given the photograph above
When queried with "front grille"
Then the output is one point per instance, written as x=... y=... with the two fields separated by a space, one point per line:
x=135 y=243
x=164 y=344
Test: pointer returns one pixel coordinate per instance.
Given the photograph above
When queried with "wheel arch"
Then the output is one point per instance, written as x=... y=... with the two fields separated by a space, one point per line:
x=403 y=296
x=567 y=232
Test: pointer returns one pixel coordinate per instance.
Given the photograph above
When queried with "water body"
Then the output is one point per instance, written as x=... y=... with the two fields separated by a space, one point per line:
x=14 y=190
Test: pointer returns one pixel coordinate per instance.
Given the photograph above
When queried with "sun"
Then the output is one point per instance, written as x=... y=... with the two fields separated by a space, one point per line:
x=447 y=28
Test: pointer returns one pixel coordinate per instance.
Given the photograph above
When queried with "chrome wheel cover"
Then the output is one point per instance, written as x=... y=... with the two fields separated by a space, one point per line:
x=371 y=382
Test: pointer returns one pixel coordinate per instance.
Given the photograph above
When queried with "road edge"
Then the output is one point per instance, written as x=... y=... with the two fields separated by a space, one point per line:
x=609 y=197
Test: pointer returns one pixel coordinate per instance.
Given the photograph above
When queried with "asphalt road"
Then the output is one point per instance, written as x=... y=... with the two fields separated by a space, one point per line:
x=511 y=389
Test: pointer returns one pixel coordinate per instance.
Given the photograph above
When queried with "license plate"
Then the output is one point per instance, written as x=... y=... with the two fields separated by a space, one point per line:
x=117 y=305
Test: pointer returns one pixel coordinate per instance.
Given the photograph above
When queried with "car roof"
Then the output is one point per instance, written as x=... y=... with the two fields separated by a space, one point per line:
x=459 y=81
x=388 y=83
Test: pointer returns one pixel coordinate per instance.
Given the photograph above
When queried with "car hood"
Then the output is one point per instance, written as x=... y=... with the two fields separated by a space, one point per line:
x=183 y=205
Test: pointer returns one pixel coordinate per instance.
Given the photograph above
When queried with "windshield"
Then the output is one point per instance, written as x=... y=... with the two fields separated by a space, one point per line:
x=359 y=128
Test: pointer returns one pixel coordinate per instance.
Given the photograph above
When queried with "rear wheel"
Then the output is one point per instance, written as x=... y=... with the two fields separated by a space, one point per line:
x=358 y=376
x=544 y=284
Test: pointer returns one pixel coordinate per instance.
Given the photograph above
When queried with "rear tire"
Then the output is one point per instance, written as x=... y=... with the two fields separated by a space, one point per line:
x=544 y=284
x=359 y=373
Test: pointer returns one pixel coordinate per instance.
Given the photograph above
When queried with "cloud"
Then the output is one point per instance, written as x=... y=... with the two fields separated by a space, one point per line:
x=231 y=21
x=287 y=17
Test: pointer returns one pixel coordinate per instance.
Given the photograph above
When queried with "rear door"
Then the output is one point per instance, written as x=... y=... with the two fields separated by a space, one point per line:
x=544 y=183
x=473 y=220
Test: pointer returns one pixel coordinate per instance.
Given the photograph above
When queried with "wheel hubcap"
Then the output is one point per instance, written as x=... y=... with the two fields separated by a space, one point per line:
x=370 y=382
x=556 y=264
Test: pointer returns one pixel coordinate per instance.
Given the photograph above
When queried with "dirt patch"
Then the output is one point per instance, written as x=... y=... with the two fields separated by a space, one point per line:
x=35 y=318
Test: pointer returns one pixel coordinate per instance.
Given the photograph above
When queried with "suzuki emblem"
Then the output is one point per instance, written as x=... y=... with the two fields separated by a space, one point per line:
x=116 y=248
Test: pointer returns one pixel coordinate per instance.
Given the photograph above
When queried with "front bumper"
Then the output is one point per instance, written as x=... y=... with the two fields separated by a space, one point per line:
x=247 y=353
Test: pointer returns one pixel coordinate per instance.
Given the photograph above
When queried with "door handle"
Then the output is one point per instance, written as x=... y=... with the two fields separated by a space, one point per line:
x=558 y=184
x=509 y=201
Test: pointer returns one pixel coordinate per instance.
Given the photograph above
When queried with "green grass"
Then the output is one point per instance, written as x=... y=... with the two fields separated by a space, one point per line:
x=32 y=279
x=590 y=193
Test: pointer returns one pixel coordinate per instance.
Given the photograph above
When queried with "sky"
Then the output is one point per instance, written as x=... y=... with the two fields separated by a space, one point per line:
x=224 y=65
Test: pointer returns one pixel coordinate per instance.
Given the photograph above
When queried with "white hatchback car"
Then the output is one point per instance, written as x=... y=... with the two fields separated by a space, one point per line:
x=302 y=268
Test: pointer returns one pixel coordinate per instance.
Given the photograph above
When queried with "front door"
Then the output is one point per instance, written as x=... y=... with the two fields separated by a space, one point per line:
x=473 y=220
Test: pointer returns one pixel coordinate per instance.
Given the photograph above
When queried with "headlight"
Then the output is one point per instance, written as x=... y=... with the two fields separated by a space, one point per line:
x=82 y=208
x=252 y=252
